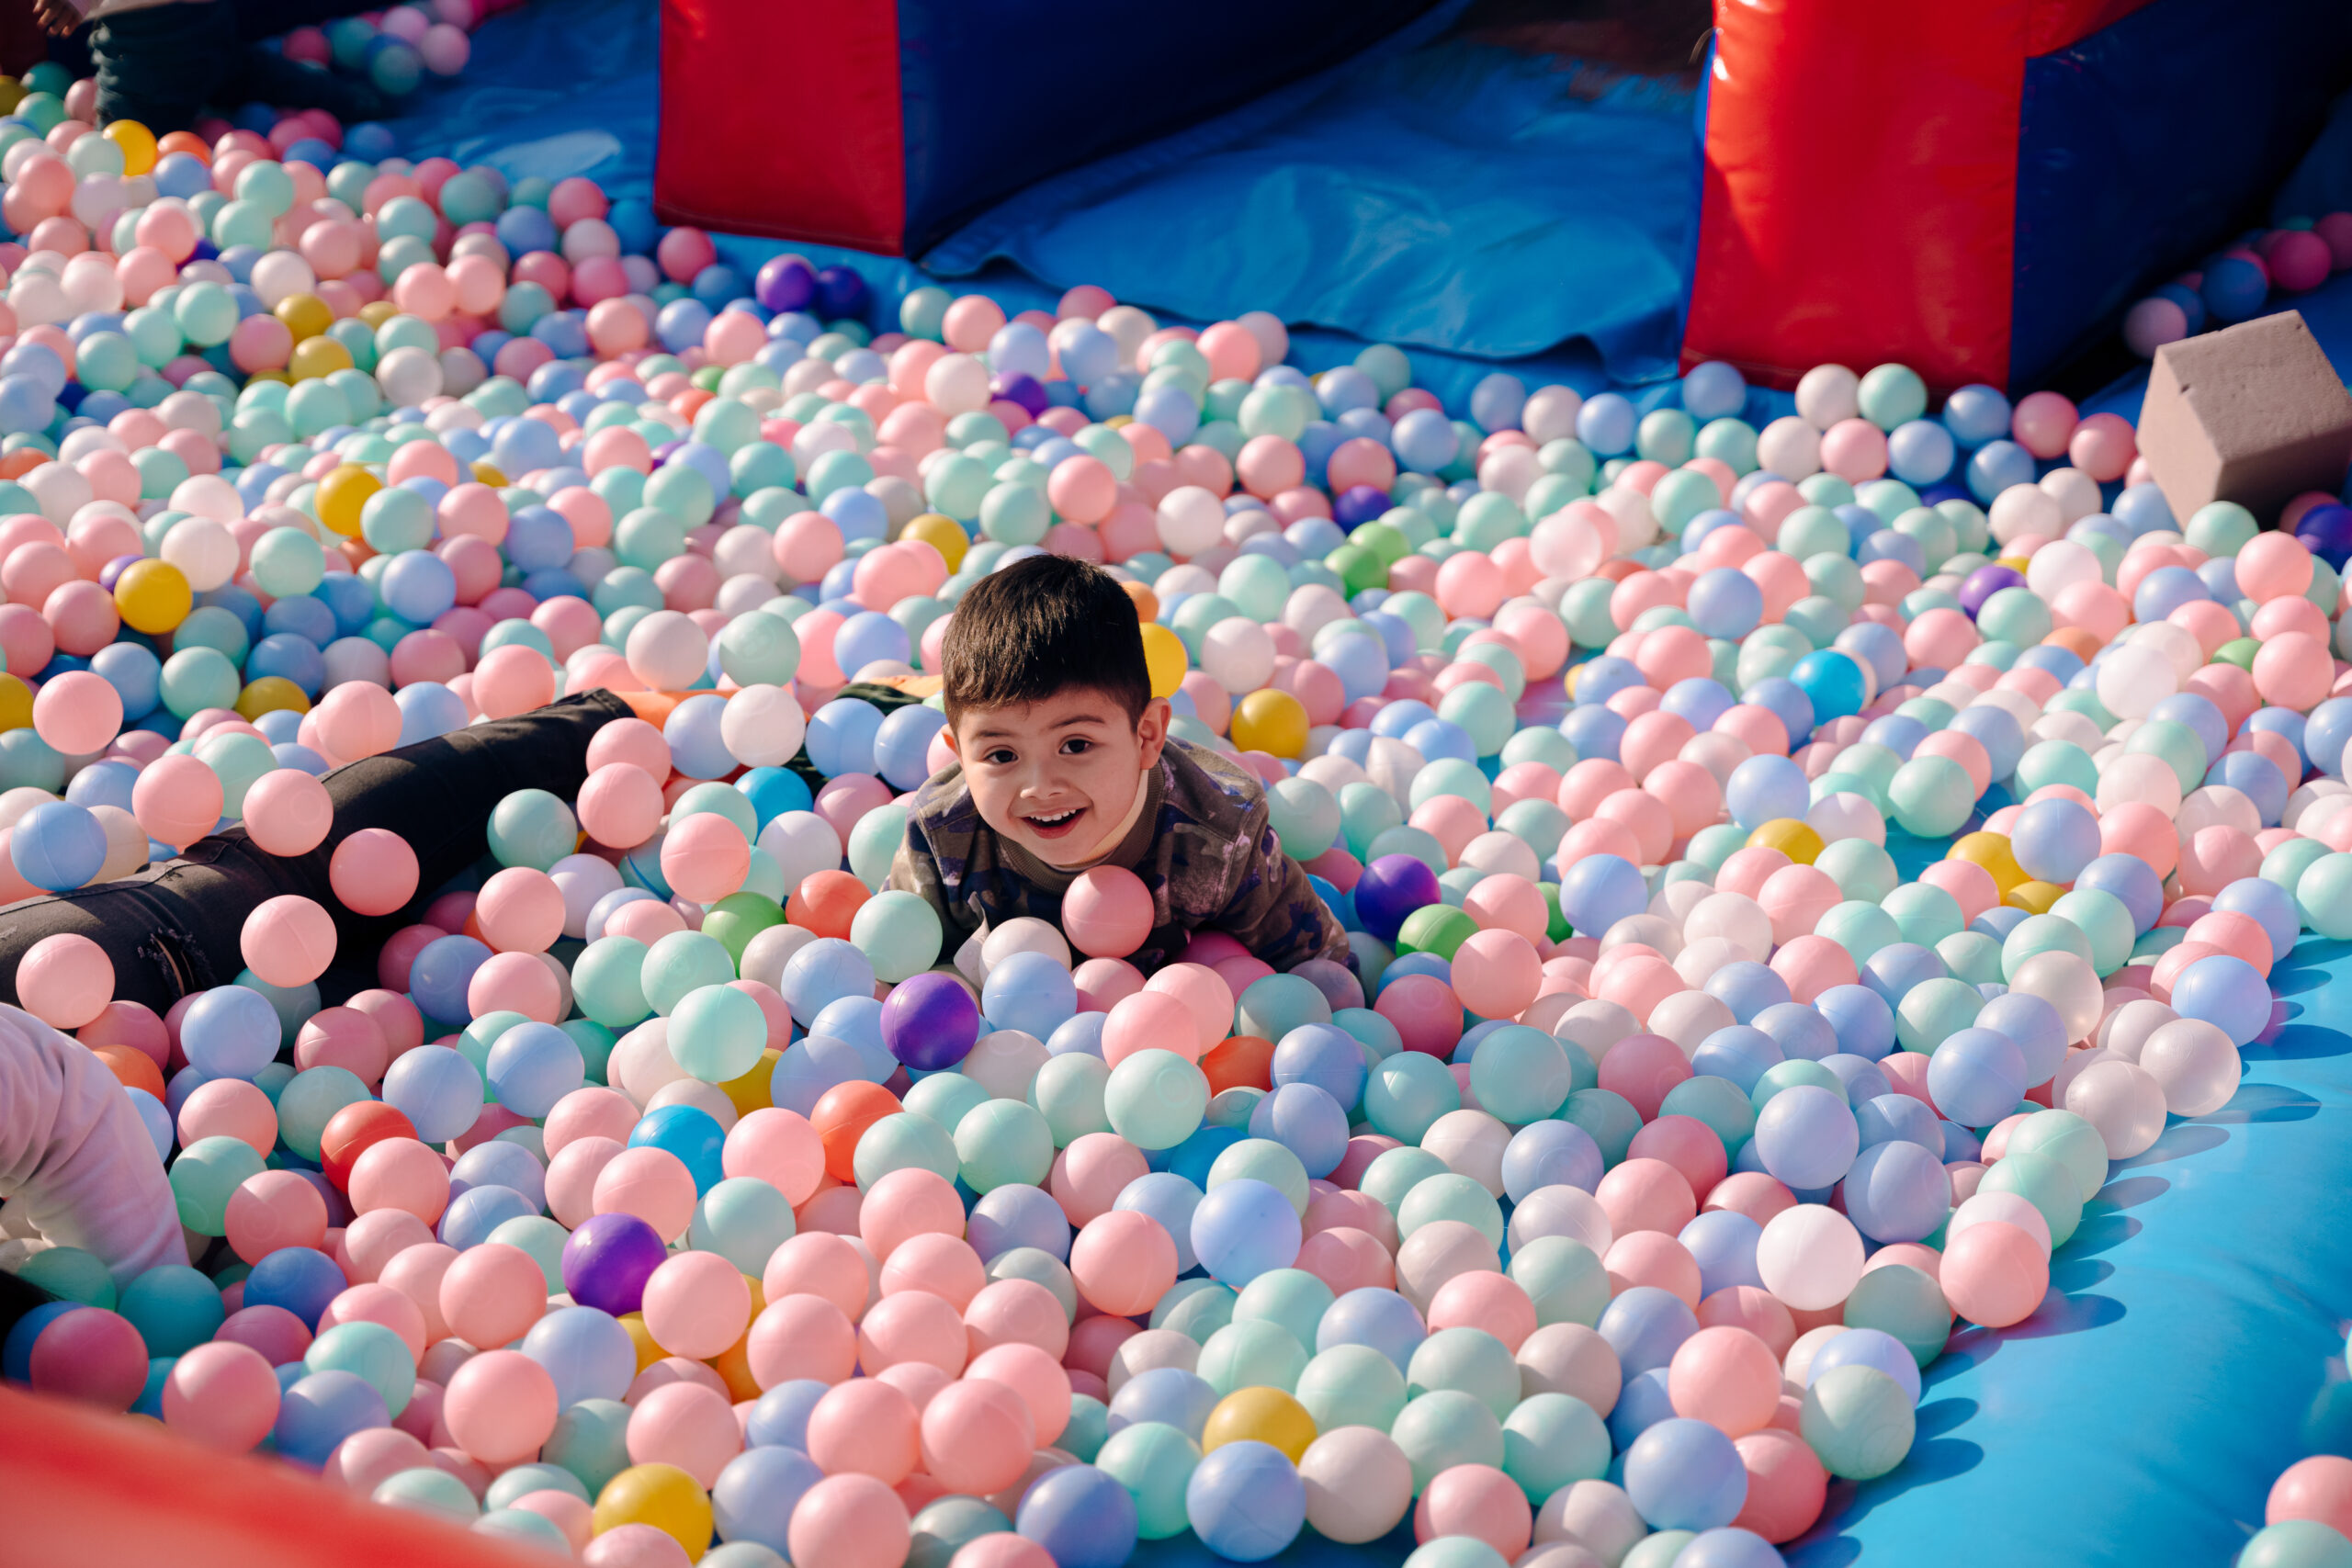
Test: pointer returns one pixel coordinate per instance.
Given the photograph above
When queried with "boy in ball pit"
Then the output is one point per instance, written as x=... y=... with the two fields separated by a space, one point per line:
x=1065 y=763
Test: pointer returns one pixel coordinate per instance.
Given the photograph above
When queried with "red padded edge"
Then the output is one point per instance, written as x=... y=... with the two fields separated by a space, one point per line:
x=2054 y=24
x=782 y=117
x=1858 y=202
x=81 y=1486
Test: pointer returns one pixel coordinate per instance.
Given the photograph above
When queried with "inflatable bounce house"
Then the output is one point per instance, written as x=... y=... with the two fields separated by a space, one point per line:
x=1811 y=792
x=1977 y=191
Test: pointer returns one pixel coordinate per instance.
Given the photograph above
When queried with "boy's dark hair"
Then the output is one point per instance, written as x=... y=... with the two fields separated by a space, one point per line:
x=1040 y=627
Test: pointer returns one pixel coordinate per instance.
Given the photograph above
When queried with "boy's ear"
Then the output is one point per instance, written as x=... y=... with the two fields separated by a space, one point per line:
x=954 y=749
x=1151 y=730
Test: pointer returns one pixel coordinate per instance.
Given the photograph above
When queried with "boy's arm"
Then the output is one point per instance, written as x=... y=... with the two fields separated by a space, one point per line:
x=1276 y=913
x=915 y=869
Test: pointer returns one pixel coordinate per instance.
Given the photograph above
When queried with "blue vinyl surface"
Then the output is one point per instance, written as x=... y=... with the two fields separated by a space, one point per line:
x=2195 y=1345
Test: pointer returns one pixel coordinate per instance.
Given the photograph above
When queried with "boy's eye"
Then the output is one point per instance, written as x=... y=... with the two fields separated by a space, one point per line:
x=998 y=757
x=1076 y=745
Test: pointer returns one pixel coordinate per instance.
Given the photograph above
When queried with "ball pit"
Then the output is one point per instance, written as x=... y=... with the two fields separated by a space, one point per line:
x=1658 y=958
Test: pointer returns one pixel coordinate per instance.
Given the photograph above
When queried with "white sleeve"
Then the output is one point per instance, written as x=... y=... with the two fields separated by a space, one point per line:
x=76 y=1157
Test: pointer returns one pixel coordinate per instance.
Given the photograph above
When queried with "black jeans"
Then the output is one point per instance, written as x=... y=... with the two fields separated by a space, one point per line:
x=162 y=64
x=173 y=928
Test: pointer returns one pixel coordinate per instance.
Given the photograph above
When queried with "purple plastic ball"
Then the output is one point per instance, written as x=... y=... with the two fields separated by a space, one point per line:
x=1359 y=505
x=1391 y=889
x=785 y=283
x=930 y=1022
x=1985 y=581
x=841 y=292
x=607 y=1260
x=1022 y=388
x=2326 y=531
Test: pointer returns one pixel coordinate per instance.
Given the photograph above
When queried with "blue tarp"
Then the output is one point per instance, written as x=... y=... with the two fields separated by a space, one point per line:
x=1559 y=241
x=2198 y=1325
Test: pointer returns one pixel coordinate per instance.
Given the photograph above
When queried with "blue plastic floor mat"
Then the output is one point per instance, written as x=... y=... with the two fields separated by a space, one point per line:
x=1453 y=195
x=2142 y=1414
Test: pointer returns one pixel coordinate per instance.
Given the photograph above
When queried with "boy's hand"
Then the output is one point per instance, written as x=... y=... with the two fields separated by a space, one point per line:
x=56 y=16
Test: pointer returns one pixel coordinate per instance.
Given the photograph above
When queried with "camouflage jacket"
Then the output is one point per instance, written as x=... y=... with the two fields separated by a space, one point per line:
x=1201 y=844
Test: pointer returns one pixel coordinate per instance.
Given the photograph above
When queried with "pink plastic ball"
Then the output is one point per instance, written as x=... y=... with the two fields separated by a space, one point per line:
x=696 y=1304
x=287 y=941
x=1478 y=1501
x=492 y=1294
x=977 y=1436
x=685 y=1424
x=865 y=1426
x=77 y=713
x=1107 y=912
x=288 y=812
x=2043 y=423
x=273 y=1210
x=66 y=979
x=222 y=1394
x=850 y=1521
x=92 y=1355
x=373 y=871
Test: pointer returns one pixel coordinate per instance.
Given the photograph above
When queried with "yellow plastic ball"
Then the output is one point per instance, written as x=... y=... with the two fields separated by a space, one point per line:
x=137 y=144
x=376 y=312
x=12 y=93
x=153 y=596
x=317 y=356
x=1164 y=657
x=1992 y=852
x=1271 y=721
x=943 y=533
x=485 y=474
x=662 y=1495
x=1798 y=841
x=753 y=1091
x=280 y=376
x=1119 y=420
x=271 y=693
x=342 y=494
x=15 y=703
x=304 y=315
x=648 y=1351
x=2033 y=897
x=1260 y=1415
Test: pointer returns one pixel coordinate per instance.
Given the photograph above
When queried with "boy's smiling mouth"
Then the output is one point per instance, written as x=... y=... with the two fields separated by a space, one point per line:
x=1054 y=825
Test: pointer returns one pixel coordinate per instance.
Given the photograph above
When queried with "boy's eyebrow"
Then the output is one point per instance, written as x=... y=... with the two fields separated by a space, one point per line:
x=983 y=734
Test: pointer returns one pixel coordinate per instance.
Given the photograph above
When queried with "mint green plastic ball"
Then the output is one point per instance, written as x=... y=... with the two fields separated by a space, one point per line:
x=946 y=1098
x=1154 y=1462
x=1551 y=1440
x=1861 y=928
x=2037 y=934
x=1934 y=1010
x=1070 y=1090
x=1155 y=1098
x=1904 y=1302
x=1924 y=913
x=370 y=1351
x=1858 y=1421
x=205 y=1176
x=1407 y=1092
x=1002 y=1143
x=2044 y=1182
x=904 y=1141
x=544 y=1239
x=1470 y=1360
x=309 y=1098
x=1291 y=1297
x=1251 y=1353
x=1352 y=1385
x=1521 y=1074
x=1932 y=796
x=1262 y=1159
x=1272 y=1007
x=1451 y=1196
x=1564 y=1278
x=1446 y=1428
x=1393 y=1173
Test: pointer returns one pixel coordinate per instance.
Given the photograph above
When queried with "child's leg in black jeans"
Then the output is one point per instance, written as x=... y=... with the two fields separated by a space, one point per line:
x=160 y=64
x=256 y=75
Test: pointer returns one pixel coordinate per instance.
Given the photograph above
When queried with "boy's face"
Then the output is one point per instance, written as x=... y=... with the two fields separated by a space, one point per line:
x=1057 y=775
